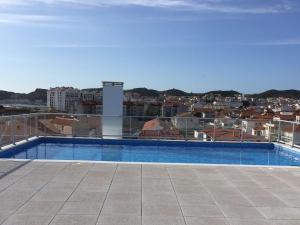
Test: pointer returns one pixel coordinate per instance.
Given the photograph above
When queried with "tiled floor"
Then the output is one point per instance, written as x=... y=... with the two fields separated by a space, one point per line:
x=41 y=193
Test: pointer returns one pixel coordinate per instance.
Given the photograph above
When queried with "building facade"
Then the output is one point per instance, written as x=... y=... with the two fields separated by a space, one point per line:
x=63 y=99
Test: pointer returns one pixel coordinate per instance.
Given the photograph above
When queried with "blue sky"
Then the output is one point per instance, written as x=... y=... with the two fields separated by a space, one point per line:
x=194 y=45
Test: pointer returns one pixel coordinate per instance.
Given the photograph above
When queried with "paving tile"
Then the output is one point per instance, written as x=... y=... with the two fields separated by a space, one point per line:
x=119 y=208
x=222 y=191
x=241 y=212
x=119 y=220
x=280 y=213
x=235 y=199
x=29 y=184
x=252 y=221
x=160 y=198
x=160 y=210
x=40 y=208
x=195 y=199
x=28 y=220
x=189 y=189
x=6 y=166
x=10 y=205
x=86 y=196
x=196 y=188
x=201 y=211
x=51 y=195
x=9 y=180
x=254 y=191
x=266 y=201
x=293 y=202
x=53 y=186
x=84 y=208
x=124 y=198
x=103 y=187
x=4 y=215
x=244 y=183
x=285 y=222
x=74 y=220
x=154 y=172
x=17 y=196
x=149 y=184
x=218 y=183
x=104 y=167
x=206 y=221
x=186 y=181
x=163 y=220
x=28 y=168
x=154 y=180
x=129 y=188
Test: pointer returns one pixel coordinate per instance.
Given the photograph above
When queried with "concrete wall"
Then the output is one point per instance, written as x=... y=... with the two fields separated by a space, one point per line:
x=112 y=126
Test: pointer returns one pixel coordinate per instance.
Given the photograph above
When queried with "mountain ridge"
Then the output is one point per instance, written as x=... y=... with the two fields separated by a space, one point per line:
x=41 y=94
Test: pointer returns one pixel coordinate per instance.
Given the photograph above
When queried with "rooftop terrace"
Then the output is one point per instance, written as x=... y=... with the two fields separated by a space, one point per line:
x=74 y=193
x=135 y=194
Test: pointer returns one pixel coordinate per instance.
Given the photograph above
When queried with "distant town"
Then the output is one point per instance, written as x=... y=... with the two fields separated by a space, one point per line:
x=217 y=114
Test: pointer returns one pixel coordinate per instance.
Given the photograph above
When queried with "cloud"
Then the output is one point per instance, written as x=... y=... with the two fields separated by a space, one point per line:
x=291 y=42
x=11 y=18
x=77 y=46
x=278 y=43
x=220 y=6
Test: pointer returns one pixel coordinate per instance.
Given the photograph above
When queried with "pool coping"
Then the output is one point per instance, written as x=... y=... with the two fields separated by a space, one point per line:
x=29 y=140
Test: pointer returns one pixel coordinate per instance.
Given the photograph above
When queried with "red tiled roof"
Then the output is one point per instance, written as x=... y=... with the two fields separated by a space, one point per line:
x=228 y=134
x=151 y=125
x=289 y=129
x=286 y=117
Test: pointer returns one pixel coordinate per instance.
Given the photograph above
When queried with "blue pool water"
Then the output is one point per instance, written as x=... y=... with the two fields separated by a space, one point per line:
x=155 y=151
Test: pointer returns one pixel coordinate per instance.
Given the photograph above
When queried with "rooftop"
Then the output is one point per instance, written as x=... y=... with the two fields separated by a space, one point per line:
x=134 y=194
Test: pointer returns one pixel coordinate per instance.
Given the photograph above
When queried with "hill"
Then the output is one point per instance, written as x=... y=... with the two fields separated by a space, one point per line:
x=144 y=92
x=230 y=93
x=41 y=94
x=37 y=95
x=175 y=92
x=295 y=94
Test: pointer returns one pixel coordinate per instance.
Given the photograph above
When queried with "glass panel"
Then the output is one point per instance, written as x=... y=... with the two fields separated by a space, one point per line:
x=5 y=131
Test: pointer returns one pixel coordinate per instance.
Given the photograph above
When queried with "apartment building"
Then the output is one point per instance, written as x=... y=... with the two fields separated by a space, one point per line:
x=63 y=99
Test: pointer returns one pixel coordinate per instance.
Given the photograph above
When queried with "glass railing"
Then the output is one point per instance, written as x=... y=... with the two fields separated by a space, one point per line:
x=23 y=127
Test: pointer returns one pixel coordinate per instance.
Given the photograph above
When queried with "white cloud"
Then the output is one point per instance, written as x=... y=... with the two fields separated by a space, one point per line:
x=78 y=46
x=278 y=43
x=222 y=6
x=10 y=18
x=286 y=42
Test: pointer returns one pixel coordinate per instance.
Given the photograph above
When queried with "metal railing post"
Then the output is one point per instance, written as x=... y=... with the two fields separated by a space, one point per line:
x=44 y=126
x=25 y=128
x=13 y=129
x=36 y=125
x=293 y=140
x=30 y=126
x=214 y=135
x=269 y=131
x=279 y=131
x=130 y=126
x=186 y=125
x=242 y=135
x=100 y=128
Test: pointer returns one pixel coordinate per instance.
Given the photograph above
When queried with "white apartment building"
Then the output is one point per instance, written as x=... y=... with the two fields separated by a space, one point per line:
x=63 y=99
x=254 y=127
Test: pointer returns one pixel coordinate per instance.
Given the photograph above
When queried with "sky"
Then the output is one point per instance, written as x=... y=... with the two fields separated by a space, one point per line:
x=193 y=45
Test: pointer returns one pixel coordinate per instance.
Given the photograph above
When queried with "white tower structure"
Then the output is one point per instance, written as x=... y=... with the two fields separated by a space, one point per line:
x=112 y=116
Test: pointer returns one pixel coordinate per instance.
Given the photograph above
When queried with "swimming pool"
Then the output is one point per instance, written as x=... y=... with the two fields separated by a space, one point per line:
x=154 y=151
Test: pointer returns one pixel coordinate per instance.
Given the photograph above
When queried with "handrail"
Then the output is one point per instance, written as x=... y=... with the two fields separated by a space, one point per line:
x=36 y=124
